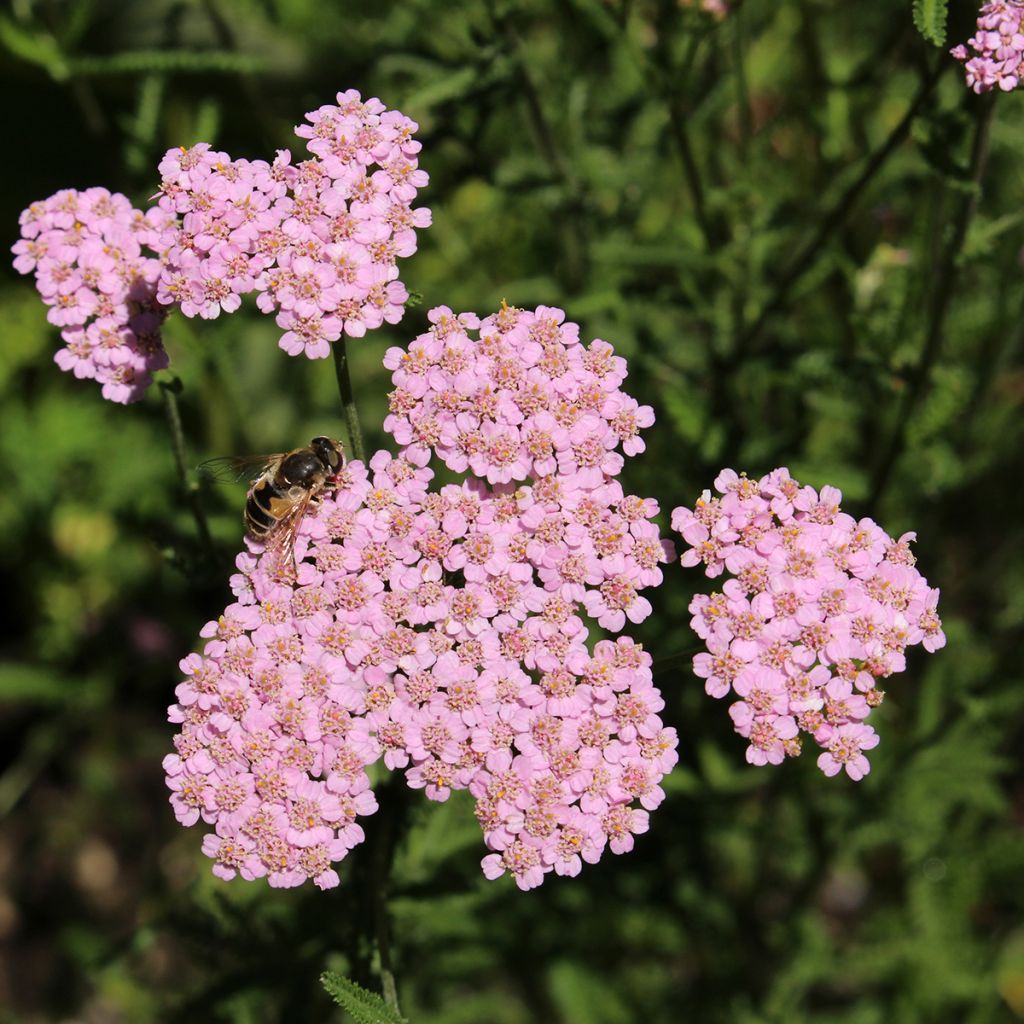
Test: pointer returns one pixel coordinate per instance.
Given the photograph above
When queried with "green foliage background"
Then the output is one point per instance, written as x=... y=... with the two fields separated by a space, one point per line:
x=667 y=182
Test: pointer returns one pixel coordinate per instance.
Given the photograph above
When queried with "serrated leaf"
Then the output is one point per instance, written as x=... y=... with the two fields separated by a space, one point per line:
x=930 y=20
x=363 y=1006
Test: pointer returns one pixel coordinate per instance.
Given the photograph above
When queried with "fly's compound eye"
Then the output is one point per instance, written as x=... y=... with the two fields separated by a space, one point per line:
x=328 y=450
x=302 y=468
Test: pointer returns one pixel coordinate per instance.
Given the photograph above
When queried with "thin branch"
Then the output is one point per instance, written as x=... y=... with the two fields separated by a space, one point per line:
x=946 y=275
x=743 y=112
x=678 y=120
x=837 y=216
x=571 y=220
x=169 y=392
x=681 y=137
x=384 y=841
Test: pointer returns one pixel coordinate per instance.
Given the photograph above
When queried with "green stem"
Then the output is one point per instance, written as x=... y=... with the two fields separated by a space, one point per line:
x=393 y=805
x=946 y=275
x=382 y=935
x=743 y=112
x=691 y=171
x=673 y=85
x=837 y=216
x=169 y=392
x=348 y=403
x=570 y=213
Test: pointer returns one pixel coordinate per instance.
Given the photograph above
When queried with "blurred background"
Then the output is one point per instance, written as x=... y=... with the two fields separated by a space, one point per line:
x=805 y=234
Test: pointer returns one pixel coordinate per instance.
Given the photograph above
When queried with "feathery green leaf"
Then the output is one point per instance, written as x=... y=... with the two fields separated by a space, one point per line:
x=363 y=1006
x=930 y=20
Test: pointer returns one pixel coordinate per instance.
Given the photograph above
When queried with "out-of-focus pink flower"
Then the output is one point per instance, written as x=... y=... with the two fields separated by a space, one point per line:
x=716 y=8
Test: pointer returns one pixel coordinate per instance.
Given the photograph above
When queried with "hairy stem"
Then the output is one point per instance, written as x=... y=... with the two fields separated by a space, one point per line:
x=348 y=403
x=946 y=275
x=836 y=216
x=169 y=391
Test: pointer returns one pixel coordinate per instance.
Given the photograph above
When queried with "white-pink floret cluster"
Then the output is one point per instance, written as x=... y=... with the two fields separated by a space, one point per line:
x=95 y=263
x=319 y=240
x=515 y=396
x=442 y=631
x=992 y=56
x=820 y=607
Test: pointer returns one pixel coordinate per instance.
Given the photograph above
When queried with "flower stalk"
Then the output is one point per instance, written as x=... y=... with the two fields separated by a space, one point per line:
x=348 y=402
x=946 y=275
x=169 y=391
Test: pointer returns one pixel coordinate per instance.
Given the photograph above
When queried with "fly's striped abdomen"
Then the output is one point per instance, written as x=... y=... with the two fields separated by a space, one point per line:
x=260 y=507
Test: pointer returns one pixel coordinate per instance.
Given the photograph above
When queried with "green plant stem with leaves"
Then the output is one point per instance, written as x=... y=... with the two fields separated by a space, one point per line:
x=385 y=839
x=835 y=217
x=947 y=272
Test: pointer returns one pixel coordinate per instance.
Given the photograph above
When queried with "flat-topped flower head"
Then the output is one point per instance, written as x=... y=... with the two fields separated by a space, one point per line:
x=515 y=396
x=96 y=266
x=277 y=713
x=818 y=608
x=560 y=743
x=416 y=627
x=319 y=241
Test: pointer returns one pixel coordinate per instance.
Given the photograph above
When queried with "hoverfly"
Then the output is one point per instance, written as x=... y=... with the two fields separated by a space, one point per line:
x=283 y=490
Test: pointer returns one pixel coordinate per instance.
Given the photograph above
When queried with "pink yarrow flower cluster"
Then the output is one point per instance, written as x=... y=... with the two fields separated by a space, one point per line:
x=95 y=263
x=574 y=741
x=447 y=630
x=417 y=629
x=276 y=733
x=819 y=608
x=992 y=56
x=523 y=398
x=319 y=240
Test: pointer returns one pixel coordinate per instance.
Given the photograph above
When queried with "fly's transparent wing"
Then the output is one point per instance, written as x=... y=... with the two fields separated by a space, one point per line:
x=233 y=468
x=280 y=545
